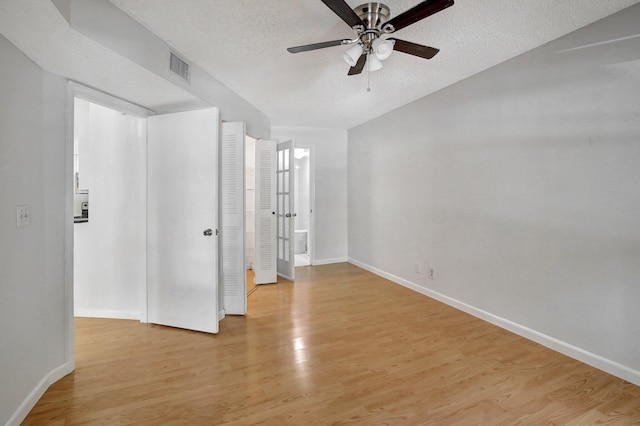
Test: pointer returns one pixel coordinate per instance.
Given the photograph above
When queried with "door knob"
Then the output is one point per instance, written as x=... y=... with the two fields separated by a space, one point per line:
x=208 y=232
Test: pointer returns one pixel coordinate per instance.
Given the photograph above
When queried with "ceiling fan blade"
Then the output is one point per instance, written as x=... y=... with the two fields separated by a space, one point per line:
x=359 y=66
x=414 y=49
x=416 y=13
x=315 y=46
x=342 y=9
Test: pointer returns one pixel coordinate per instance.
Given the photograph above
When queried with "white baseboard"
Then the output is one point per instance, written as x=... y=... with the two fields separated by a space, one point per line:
x=565 y=348
x=319 y=262
x=94 y=313
x=34 y=396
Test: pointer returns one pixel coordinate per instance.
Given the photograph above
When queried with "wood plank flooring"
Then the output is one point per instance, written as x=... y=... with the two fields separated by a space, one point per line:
x=338 y=346
x=251 y=282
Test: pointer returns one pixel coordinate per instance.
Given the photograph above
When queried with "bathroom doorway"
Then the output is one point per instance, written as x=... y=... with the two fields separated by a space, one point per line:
x=303 y=206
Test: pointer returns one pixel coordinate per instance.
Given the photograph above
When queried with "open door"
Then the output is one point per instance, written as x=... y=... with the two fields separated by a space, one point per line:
x=232 y=210
x=182 y=216
x=285 y=211
x=265 y=262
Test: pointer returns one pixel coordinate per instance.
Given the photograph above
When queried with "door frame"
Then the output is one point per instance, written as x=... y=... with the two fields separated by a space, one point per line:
x=77 y=90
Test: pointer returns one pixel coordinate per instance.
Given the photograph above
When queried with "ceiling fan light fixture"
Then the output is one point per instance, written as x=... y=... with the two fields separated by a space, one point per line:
x=371 y=21
x=352 y=55
x=373 y=63
x=382 y=48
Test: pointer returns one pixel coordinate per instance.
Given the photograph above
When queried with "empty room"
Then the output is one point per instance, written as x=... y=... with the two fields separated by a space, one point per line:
x=461 y=179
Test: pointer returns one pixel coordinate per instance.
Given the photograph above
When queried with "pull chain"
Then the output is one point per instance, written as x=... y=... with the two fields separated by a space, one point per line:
x=368 y=78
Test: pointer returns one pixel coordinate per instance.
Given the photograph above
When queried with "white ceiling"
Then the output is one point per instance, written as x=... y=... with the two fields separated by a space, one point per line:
x=243 y=44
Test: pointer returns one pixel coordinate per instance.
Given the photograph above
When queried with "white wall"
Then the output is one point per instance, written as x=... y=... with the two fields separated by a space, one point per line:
x=520 y=187
x=33 y=314
x=330 y=151
x=110 y=249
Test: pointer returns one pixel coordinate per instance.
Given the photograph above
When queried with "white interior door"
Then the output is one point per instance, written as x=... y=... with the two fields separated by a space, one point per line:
x=232 y=215
x=265 y=262
x=182 y=215
x=285 y=210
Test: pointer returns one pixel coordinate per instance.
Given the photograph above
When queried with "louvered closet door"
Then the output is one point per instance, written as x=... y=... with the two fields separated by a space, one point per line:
x=265 y=260
x=233 y=277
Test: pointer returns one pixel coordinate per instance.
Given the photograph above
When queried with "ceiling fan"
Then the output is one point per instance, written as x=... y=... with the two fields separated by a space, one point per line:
x=371 y=21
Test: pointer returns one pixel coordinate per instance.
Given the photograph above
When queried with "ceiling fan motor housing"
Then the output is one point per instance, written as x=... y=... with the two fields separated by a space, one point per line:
x=373 y=14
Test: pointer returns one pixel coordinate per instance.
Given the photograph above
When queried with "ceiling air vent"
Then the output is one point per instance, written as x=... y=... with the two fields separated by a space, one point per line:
x=179 y=66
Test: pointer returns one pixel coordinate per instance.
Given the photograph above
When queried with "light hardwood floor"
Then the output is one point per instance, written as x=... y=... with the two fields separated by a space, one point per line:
x=340 y=346
x=251 y=282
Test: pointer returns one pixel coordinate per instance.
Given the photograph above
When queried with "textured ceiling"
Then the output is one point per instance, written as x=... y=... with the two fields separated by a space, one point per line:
x=243 y=44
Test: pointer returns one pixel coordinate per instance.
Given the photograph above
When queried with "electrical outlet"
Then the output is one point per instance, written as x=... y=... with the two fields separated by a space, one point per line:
x=417 y=268
x=432 y=273
x=23 y=216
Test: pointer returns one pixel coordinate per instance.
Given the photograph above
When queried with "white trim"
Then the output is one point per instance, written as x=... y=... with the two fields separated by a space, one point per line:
x=36 y=393
x=565 y=348
x=98 y=313
x=101 y=98
x=330 y=261
x=69 y=229
x=221 y=315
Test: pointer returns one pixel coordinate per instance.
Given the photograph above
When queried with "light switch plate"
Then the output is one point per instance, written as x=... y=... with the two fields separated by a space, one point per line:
x=23 y=216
